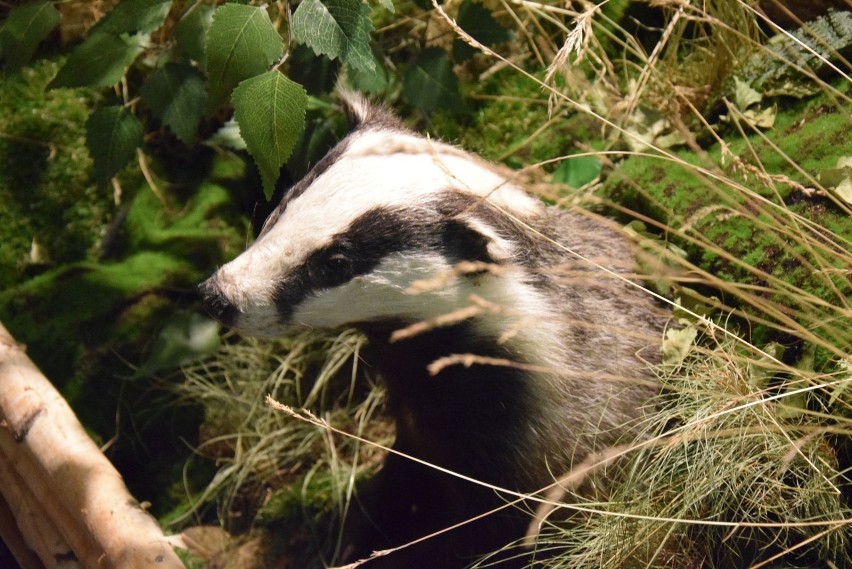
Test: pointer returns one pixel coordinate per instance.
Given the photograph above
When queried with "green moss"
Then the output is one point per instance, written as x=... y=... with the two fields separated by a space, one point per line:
x=287 y=506
x=227 y=166
x=45 y=188
x=91 y=305
x=202 y=230
x=64 y=310
x=754 y=223
x=511 y=109
x=93 y=308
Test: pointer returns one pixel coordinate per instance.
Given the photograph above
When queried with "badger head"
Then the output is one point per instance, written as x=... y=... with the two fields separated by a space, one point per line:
x=385 y=208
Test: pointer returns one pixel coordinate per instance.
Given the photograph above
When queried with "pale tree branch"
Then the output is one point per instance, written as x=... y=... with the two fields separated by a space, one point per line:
x=71 y=506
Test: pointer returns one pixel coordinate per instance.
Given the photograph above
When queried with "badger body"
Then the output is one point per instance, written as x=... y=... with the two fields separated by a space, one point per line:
x=548 y=342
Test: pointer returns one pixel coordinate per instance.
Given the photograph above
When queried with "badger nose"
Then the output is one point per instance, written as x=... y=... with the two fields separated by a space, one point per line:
x=216 y=303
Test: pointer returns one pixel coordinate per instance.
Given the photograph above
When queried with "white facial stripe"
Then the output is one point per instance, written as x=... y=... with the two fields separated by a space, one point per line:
x=381 y=169
x=525 y=315
x=522 y=311
x=436 y=161
x=377 y=169
x=250 y=280
x=264 y=323
x=499 y=249
x=383 y=293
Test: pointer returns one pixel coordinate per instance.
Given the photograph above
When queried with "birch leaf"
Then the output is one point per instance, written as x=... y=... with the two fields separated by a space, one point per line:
x=241 y=43
x=177 y=96
x=112 y=136
x=336 y=28
x=270 y=110
x=99 y=61
x=25 y=27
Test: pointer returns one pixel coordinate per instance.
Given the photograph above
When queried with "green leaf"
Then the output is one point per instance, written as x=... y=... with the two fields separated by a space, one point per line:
x=648 y=128
x=241 y=43
x=336 y=28
x=191 y=30
x=177 y=96
x=766 y=367
x=388 y=5
x=133 y=16
x=577 y=171
x=363 y=81
x=271 y=112
x=430 y=83
x=689 y=304
x=761 y=118
x=477 y=20
x=112 y=136
x=99 y=61
x=747 y=100
x=744 y=95
x=25 y=27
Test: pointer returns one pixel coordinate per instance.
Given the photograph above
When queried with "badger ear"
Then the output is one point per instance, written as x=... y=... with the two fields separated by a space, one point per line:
x=362 y=112
x=468 y=239
x=357 y=107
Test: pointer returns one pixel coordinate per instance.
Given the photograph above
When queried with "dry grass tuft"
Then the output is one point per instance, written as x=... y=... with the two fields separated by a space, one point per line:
x=264 y=456
x=737 y=471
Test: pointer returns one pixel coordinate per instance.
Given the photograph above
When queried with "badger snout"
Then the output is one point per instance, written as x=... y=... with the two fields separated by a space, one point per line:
x=216 y=303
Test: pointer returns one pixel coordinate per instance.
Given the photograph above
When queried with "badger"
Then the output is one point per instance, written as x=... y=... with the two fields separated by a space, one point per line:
x=509 y=336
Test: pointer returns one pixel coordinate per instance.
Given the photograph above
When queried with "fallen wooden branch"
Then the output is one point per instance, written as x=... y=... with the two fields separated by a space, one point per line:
x=11 y=534
x=31 y=529
x=71 y=506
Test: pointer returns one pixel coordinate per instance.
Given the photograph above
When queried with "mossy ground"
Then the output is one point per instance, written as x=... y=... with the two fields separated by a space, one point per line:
x=45 y=189
x=744 y=213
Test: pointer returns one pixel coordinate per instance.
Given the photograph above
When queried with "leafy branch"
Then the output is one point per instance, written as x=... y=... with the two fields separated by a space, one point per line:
x=192 y=67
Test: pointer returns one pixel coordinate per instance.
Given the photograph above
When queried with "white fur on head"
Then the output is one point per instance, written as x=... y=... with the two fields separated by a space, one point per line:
x=379 y=165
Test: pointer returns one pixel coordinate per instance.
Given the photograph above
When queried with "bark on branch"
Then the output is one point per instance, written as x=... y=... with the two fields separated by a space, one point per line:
x=71 y=506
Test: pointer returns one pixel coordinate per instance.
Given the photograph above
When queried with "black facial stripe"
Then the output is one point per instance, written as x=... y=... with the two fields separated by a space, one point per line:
x=356 y=251
x=474 y=246
x=460 y=242
x=375 y=235
x=291 y=292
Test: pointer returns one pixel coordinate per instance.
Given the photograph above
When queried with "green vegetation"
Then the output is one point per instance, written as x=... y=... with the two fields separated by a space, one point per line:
x=743 y=212
x=124 y=181
x=90 y=273
x=45 y=170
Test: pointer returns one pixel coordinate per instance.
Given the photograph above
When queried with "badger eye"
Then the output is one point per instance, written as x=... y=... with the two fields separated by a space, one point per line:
x=338 y=262
x=332 y=270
